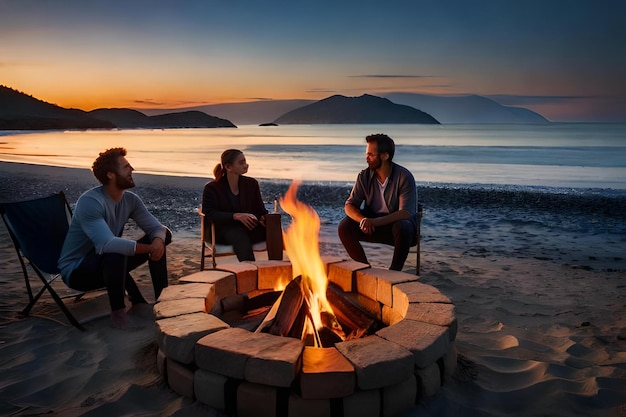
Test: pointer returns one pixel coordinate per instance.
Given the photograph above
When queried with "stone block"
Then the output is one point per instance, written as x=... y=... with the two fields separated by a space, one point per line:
x=416 y=292
x=223 y=280
x=366 y=284
x=434 y=313
x=362 y=404
x=256 y=357
x=343 y=273
x=245 y=274
x=180 y=377
x=255 y=400
x=450 y=362
x=399 y=398
x=300 y=407
x=210 y=388
x=390 y=316
x=273 y=275
x=177 y=336
x=209 y=276
x=326 y=373
x=427 y=342
x=174 y=308
x=276 y=360
x=428 y=380
x=378 y=362
x=219 y=352
x=160 y=361
x=185 y=291
x=386 y=281
x=372 y=307
x=329 y=259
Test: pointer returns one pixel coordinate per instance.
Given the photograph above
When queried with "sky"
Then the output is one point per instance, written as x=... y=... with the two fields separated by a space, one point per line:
x=564 y=59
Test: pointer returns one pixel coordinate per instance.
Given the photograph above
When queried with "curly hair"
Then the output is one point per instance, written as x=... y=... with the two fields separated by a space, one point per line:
x=107 y=162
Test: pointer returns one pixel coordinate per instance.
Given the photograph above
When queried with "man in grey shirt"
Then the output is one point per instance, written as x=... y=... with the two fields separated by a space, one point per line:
x=382 y=206
x=95 y=255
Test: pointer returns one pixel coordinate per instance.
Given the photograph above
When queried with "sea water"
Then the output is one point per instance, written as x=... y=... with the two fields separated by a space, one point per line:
x=560 y=155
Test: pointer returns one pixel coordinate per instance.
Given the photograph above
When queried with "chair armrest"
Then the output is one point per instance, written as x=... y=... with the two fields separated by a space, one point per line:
x=274 y=236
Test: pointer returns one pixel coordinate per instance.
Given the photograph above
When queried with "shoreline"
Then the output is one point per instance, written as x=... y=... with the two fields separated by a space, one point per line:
x=537 y=282
x=436 y=194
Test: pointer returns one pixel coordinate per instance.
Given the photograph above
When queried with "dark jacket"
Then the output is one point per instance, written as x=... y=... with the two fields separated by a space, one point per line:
x=218 y=206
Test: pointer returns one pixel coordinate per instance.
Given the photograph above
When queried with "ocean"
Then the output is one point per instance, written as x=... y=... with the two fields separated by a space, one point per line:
x=556 y=155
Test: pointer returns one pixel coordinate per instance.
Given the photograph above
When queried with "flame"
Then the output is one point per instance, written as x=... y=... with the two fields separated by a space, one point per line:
x=302 y=245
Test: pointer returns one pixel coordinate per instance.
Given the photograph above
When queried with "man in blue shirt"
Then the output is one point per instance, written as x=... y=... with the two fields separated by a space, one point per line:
x=95 y=255
x=382 y=206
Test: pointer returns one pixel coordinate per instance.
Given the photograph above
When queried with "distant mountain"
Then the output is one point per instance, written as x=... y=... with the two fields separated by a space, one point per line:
x=19 y=111
x=249 y=113
x=128 y=118
x=364 y=109
x=467 y=109
x=458 y=109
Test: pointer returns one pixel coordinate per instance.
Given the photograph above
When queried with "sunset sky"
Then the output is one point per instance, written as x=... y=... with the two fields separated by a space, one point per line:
x=562 y=58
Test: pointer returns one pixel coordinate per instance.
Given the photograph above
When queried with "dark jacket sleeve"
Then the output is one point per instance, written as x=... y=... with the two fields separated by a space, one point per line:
x=217 y=206
x=251 y=202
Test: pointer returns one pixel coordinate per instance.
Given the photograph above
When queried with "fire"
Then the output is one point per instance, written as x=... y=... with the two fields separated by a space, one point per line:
x=302 y=245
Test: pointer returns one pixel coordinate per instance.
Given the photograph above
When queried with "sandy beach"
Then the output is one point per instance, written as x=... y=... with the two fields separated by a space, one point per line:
x=538 y=281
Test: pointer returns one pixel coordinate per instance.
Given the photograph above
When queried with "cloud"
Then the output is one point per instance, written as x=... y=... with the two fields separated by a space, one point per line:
x=151 y=102
x=389 y=76
x=259 y=99
x=321 y=90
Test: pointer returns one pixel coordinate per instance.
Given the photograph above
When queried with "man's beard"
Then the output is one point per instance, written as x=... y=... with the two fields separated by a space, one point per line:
x=124 y=183
x=375 y=164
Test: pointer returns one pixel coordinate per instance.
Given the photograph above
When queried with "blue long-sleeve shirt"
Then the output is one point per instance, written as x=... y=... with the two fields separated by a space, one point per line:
x=98 y=223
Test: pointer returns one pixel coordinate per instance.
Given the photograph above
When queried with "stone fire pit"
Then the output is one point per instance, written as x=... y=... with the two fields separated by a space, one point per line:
x=258 y=374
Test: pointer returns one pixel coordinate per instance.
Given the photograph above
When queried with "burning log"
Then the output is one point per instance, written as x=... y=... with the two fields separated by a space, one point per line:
x=291 y=316
x=356 y=321
x=304 y=310
x=290 y=310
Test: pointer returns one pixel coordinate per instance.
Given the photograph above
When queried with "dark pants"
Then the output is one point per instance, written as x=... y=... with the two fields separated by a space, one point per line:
x=240 y=238
x=401 y=235
x=111 y=270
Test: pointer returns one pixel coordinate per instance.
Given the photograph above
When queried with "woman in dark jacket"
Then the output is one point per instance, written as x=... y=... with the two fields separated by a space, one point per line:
x=233 y=203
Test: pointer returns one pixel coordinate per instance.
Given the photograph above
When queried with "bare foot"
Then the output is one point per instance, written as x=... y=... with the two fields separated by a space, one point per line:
x=142 y=311
x=120 y=320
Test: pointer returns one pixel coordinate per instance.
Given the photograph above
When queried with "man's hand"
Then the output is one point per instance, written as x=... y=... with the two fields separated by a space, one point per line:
x=367 y=226
x=157 y=249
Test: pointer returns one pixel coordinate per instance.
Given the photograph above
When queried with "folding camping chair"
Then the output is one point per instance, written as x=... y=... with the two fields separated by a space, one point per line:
x=38 y=228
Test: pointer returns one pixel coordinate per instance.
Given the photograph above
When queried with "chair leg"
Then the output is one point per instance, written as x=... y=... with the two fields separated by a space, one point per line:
x=65 y=310
x=417 y=263
x=33 y=300
x=57 y=300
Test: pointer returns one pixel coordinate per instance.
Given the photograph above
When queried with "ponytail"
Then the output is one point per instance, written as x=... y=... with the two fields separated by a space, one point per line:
x=218 y=171
x=228 y=156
